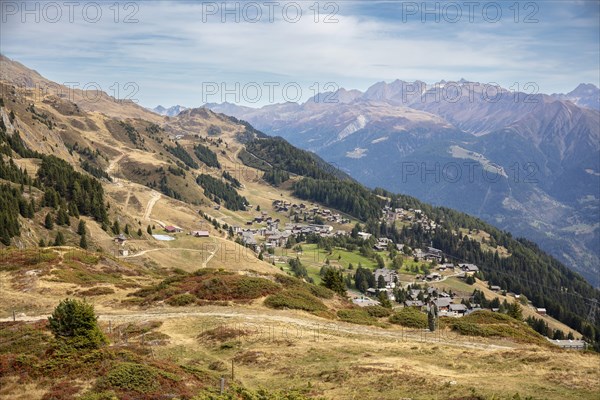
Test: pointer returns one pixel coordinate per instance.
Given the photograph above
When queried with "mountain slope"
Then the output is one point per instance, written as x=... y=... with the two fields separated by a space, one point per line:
x=526 y=163
x=188 y=172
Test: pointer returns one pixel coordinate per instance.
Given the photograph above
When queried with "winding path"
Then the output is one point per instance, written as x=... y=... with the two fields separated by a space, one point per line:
x=155 y=197
x=141 y=253
x=112 y=165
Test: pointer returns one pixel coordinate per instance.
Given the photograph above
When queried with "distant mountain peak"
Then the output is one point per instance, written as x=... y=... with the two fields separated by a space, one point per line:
x=584 y=95
x=169 y=112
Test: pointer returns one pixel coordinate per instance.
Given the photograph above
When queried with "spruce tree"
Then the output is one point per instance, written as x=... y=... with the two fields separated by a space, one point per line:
x=75 y=323
x=515 y=310
x=384 y=300
x=48 y=222
x=81 y=228
x=334 y=280
x=83 y=242
x=59 y=240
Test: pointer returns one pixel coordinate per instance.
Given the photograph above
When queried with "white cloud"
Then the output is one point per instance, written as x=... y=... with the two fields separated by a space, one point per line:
x=170 y=52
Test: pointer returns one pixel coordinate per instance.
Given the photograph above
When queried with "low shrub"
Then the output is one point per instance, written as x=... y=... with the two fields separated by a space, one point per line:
x=97 y=291
x=239 y=392
x=99 y=396
x=320 y=291
x=409 y=317
x=23 y=338
x=15 y=259
x=295 y=299
x=217 y=366
x=180 y=300
x=133 y=377
x=490 y=324
x=356 y=316
x=378 y=311
x=291 y=282
x=212 y=285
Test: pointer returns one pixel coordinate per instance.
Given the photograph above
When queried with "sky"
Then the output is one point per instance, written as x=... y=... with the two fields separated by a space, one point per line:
x=261 y=52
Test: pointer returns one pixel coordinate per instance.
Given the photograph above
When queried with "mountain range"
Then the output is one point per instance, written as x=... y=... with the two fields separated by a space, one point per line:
x=169 y=112
x=188 y=215
x=525 y=162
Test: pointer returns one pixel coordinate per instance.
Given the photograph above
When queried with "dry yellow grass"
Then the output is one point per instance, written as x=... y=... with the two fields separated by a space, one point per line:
x=293 y=349
x=362 y=364
x=12 y=389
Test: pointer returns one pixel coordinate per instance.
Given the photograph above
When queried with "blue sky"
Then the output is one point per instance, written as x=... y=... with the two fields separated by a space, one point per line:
x=181 y=52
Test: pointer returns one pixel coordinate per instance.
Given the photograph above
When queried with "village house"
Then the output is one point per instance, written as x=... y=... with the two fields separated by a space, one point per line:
x=364 y=301
x=120 y=239
x=433 y=250
x=443 y=267
x=414 y=303
x=569 y=344
x=414 y=294
x=432 y=257
x=469 y=269
x=173 y=229
x=200 y=234
x=459 y=309
x=418 y=254
x=277 y=240
x=364 y=235
x=442 y=304
x=389 y=292
x=433 y=277
x=248 y=239
x=390 y=277
x=382 y=244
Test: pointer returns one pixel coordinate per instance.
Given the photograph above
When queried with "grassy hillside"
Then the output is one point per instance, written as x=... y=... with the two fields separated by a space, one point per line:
x=303 y=341
x=99 y=205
